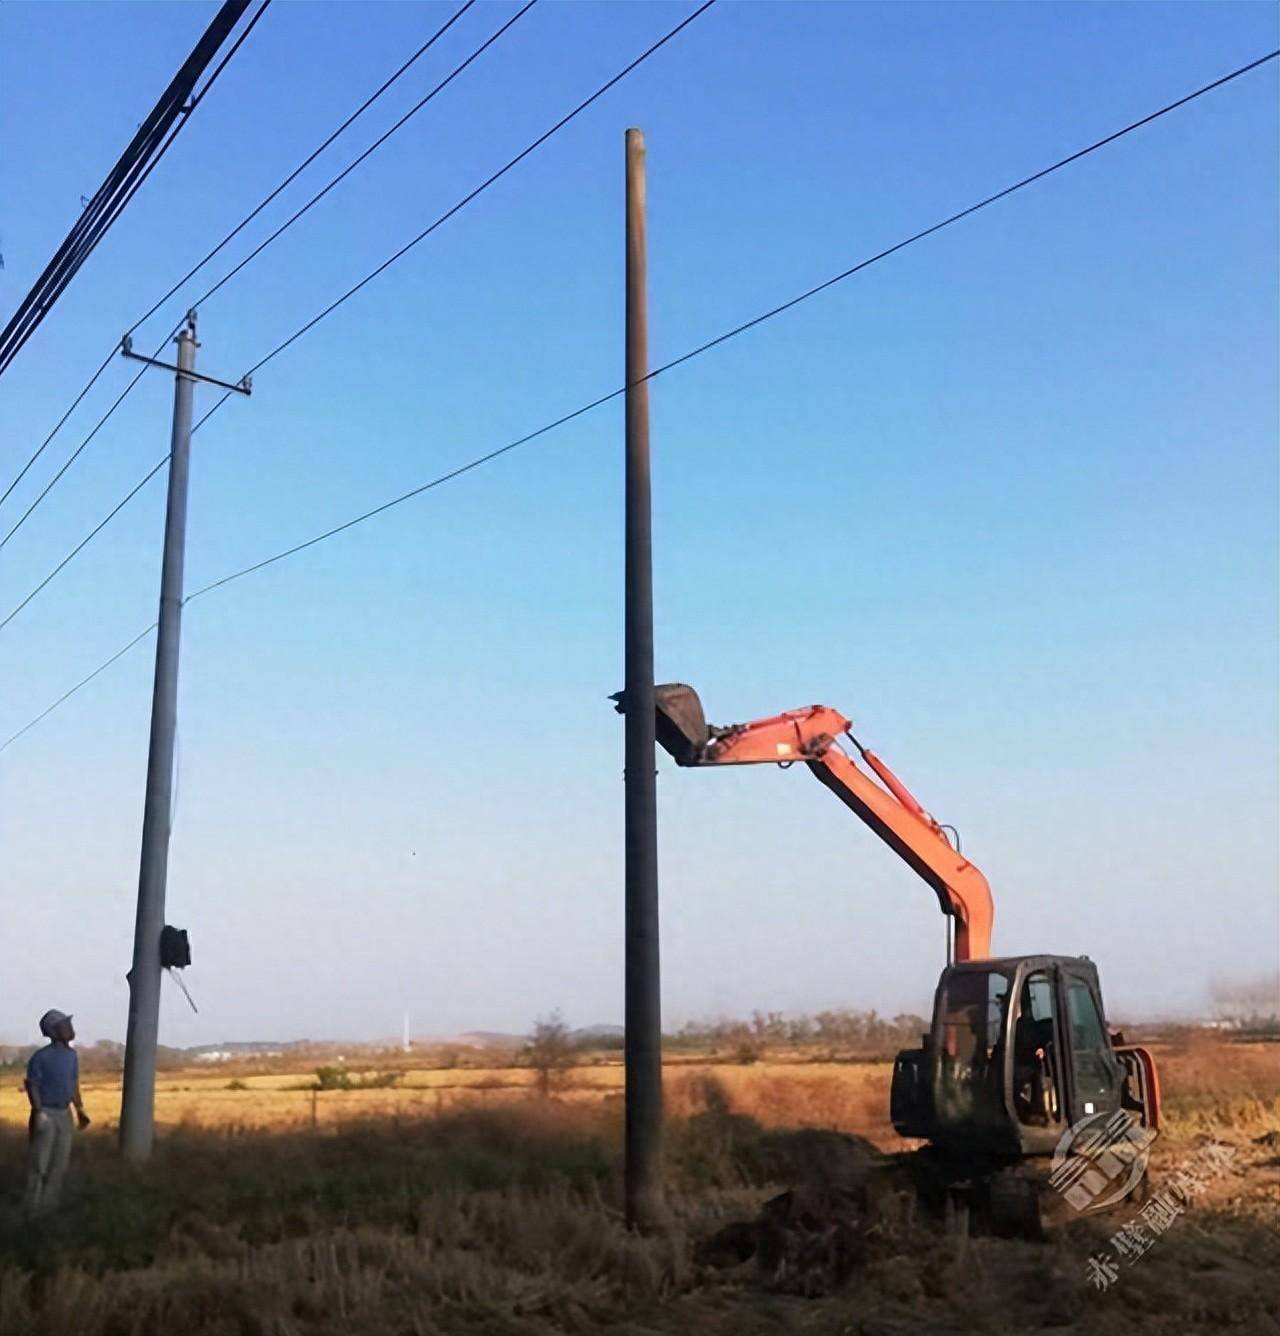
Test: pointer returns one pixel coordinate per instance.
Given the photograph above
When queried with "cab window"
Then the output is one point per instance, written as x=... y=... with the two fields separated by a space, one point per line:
x=1036 y=1091
x=973 y=1014
x=1090 y=1052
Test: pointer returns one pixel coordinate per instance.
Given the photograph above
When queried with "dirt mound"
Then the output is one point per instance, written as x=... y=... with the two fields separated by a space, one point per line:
x=811 y=1156
x=810 y=1239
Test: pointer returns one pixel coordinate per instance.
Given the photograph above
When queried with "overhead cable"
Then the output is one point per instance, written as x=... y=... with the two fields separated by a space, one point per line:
x=153 y=138
x=666 y=366
x=234 y=232
x=350 y=292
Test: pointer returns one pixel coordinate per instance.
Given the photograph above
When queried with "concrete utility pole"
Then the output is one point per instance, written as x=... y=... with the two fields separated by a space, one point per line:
x=137 y=1112
x=643 y=1044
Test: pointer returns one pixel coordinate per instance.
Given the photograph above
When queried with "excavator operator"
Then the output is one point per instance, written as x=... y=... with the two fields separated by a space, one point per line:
x=1034 y=1095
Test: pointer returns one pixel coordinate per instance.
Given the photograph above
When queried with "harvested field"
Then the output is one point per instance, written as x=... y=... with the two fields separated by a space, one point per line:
x=463 y=1203
x=848 y=1096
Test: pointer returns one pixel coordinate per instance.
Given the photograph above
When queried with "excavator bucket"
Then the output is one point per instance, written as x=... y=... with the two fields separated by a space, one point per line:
x=681 y=726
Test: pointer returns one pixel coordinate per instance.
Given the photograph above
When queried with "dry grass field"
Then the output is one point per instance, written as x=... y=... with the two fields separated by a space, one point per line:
x=461 y=1201
x=850 y=1096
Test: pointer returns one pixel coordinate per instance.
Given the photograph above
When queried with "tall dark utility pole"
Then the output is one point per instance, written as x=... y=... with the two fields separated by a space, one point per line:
x=137 y=1111
x=644 y=1199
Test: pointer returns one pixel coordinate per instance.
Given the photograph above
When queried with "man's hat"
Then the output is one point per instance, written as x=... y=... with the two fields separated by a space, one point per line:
x=50 y=1019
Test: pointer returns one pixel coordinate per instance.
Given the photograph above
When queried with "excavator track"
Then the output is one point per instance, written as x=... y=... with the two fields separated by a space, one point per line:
x=848 y=1203
x=1008 y=1199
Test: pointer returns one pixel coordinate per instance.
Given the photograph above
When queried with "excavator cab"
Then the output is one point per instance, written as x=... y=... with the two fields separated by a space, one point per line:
x=1018 y=1052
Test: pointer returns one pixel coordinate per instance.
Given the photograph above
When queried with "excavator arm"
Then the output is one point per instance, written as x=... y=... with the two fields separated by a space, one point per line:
x=811 y=735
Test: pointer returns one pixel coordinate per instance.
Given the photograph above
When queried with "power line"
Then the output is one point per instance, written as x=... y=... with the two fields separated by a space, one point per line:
x=745 y=325
x=145 y=149
x=88 y=538
x=149 y=144
x=235 y=231
x=351 y=292
x=315 y=199
x=83 y=682
x=119 y=206
x=309 y=159
x=75 y=403
x=666 y=366
x=377 y=143
x=106 y=361
x=407 y=496
x=483 y=186
x=973 y=208
x=75 y=454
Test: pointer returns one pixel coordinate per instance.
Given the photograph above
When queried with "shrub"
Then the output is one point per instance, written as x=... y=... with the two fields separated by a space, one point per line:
x=747 y=1050
x=338 y=1078
x=550 y=1052
x=332 y=1078
x=377 y=1081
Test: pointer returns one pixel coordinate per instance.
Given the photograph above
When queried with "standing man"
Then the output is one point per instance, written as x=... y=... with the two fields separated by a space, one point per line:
x=53 y=1087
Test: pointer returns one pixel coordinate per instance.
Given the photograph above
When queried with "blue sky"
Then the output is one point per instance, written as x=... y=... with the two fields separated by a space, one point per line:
x=1007 y=499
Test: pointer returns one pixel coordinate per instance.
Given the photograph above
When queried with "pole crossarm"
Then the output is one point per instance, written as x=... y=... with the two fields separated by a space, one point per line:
x=244 y=386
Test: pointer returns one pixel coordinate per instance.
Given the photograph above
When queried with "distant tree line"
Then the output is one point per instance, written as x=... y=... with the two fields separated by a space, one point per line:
x=841 y=1032
x=1247 y=1004
x=105 y=1055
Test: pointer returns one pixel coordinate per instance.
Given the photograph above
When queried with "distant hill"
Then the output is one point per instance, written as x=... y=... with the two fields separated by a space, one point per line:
x=250 y=1046
x=487 y=1039
x=504 y=1039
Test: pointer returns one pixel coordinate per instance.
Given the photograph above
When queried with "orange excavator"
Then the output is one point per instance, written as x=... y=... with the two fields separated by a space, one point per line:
x=1019 y=1061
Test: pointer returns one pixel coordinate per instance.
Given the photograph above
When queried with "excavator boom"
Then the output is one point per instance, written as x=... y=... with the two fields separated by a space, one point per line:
x=811 y=735
x=1018 y=1057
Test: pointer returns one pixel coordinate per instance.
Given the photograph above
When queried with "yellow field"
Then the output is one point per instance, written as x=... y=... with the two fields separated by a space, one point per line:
x=852 y=1097
x=464 y=1204
x=1205 y=1084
